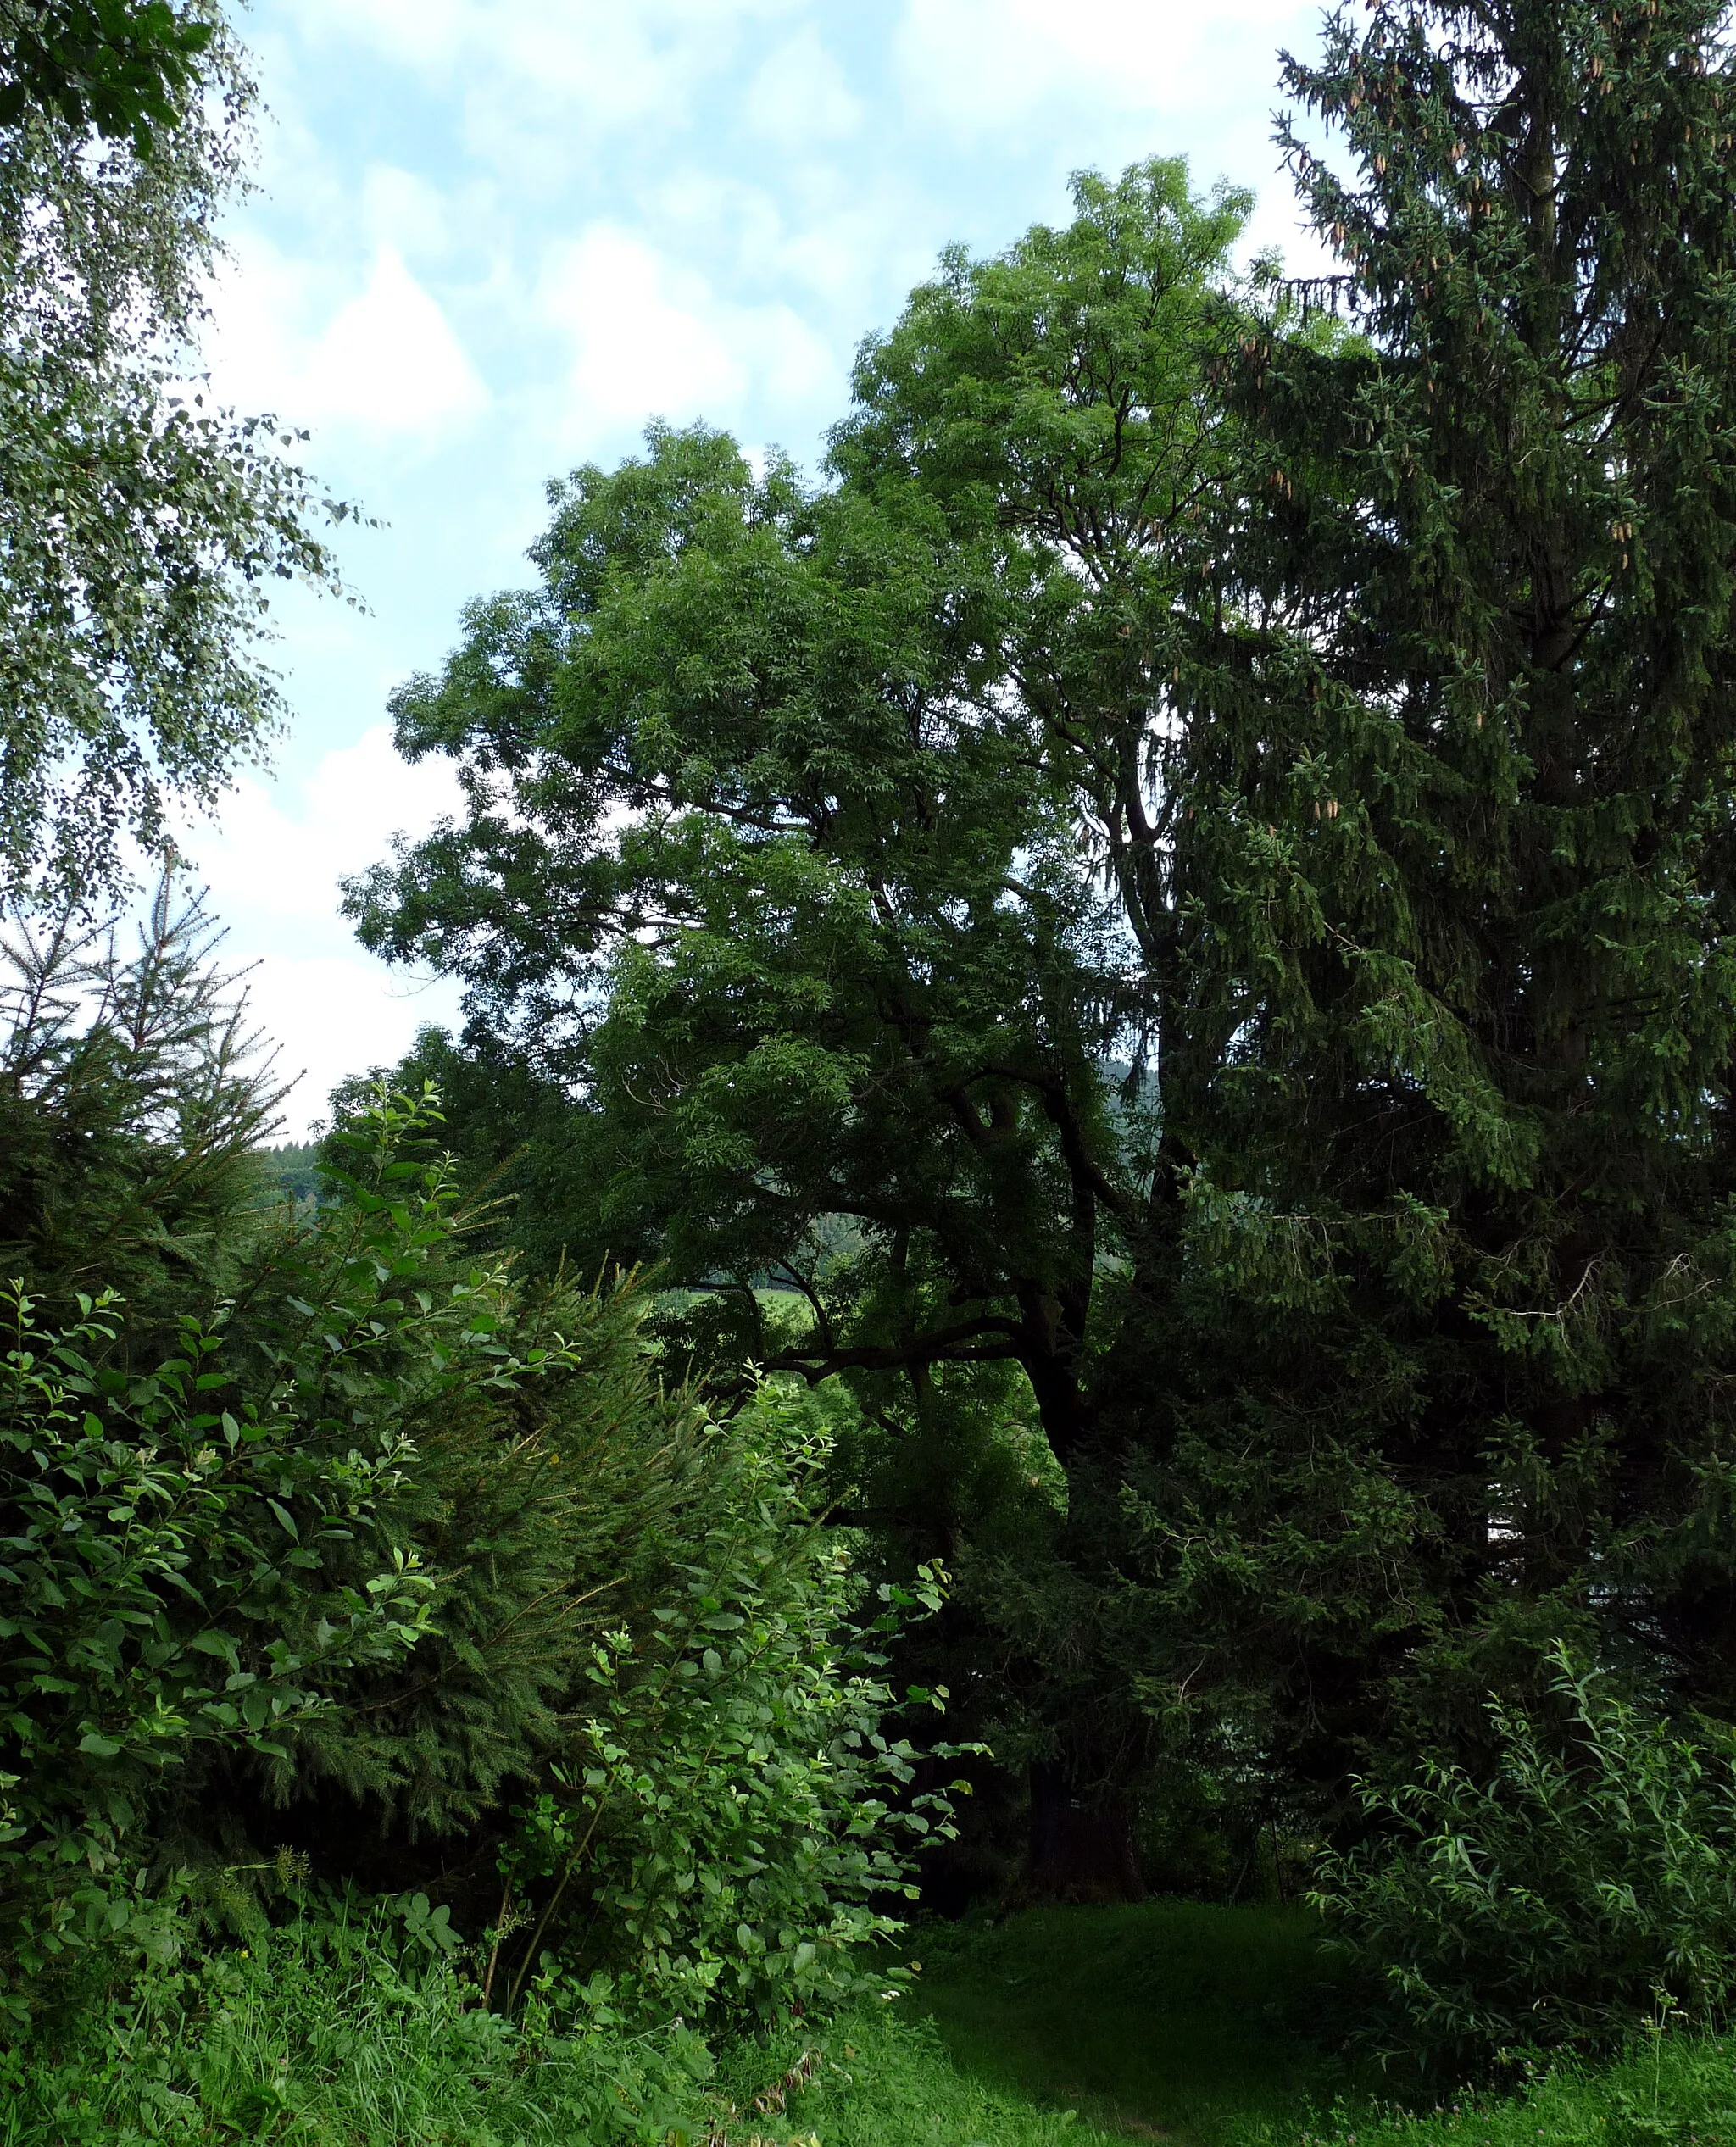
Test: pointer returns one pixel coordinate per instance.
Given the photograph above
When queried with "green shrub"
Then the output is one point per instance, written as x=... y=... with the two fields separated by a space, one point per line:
x=162 y=1545
x=320 y=1529
x=1589 y=1880
x=390 y=1527
x=551 y=1470
x=348 y=1535
x=729 y=1815
x=1665 y=2090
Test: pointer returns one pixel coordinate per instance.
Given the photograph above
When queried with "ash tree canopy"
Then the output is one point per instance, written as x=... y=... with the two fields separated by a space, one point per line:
x=810 y=832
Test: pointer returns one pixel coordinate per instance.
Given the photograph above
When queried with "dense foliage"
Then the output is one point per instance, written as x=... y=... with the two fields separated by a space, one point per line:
x=838 y=800
x=1464 y=1208
x=1196 y=865
x=141 y=526
x=167 y=1563
x=370 y=1542
x=1149 y=956
x=123 y=70
x=1588 y=1883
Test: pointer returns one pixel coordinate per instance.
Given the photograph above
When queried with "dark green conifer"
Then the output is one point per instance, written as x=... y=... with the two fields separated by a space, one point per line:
x=1460 y=743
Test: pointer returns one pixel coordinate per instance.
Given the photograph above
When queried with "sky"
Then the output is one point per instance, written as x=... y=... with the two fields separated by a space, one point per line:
x=491 y=239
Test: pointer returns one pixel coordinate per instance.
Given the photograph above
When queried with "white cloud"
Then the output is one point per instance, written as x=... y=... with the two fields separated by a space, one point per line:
x=274 y=863
x=650 y=337
x=600 y=63
x=984 y=64
x=383 y=360
x=423 y=34
x=332 y=1017
x=799 y=95
x=402 y=211
x=286 y=849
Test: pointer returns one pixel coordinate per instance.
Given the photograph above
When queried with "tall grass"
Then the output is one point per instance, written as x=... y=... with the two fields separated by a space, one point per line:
x=1678 y=2090
x=323 y=2035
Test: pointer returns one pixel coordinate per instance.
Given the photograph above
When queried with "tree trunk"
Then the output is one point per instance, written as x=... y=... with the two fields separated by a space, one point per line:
x=1082 y=1844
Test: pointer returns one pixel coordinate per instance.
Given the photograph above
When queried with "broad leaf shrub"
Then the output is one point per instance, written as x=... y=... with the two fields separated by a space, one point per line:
x=549 y=1457
x=162 y=1560
x=197 y=1552
x=1586 y=1888
x=733 y=1812
x=327 y=1529
x=386 y=1526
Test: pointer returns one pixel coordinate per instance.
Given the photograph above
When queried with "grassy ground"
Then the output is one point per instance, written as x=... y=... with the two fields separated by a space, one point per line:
x=891 y=2082
x=1169 y=2019
x=883 y=2078
x=1208 y=2028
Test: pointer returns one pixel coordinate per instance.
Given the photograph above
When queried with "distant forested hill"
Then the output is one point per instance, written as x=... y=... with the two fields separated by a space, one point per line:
x=296 y=1166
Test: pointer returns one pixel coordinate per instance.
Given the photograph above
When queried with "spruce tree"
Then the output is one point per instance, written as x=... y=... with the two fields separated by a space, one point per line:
x=1463 y=1253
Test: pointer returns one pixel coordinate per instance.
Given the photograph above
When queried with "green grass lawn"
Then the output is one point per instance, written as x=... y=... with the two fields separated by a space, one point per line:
x=1171 y=2019
x=1205 y=2027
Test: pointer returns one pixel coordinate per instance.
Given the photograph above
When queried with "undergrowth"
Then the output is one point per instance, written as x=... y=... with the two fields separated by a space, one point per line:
x=1670 y=2090
x=329 y=2036
x=881 y=2077
x=322 y=2036
x=1171 y=2016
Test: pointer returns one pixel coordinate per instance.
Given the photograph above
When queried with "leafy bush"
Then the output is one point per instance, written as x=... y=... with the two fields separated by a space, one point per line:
x=730 y=1808
x=348 y=1529
x=549 y=1462
x=1589 y=1882
x=162 y=1554
x=197 y=1550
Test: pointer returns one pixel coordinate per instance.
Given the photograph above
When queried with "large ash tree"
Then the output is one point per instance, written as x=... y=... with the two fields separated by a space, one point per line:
x=806 y=827
x=813 y=894
x=1463 y=1216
